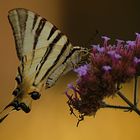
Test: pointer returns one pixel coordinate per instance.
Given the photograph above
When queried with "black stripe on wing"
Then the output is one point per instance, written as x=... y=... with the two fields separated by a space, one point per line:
x=57 y=59
x=48 y=52
x=52 y=32
x=18 y=21
x=38 y=32
x=70 y=54
x=16 y=42
x=34 y=21
x=20 y=73
x=22 y=19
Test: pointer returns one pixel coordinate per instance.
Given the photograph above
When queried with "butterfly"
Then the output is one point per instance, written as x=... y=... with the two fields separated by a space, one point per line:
x=44 y=53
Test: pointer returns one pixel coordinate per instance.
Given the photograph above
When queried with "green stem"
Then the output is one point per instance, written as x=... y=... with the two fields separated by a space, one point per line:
x=116 y=107
x=133 y=107
x=135 y=90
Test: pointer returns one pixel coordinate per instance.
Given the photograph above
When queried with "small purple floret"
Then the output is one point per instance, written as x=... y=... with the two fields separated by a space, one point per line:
x=106 y=68
x=138 y=39
x=138 y=35
x=111 y=53
x=117 y=56
x=131 y=43
x=82 y=70
x=95 y=46
x=136 y=60
x=119 y=41
x=101 y=49
x=98 y=48
x=105 y=38
x=70 y=86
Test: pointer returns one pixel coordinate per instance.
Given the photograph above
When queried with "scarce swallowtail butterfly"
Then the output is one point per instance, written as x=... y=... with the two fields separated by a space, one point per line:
x=44 y=53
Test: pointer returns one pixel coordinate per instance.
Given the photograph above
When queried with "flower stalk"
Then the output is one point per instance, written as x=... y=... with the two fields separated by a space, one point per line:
x=135 y=90
x=116 y=107
x=131 y=106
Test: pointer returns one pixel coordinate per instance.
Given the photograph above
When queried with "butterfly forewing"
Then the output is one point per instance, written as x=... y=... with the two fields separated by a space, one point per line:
x=43 y=49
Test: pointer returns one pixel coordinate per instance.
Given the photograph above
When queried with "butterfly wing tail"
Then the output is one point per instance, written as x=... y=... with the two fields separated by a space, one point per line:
x=5 y=112
x=16 y=105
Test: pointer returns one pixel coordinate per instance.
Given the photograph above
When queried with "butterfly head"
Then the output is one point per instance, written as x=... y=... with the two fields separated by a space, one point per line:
x=83 y=56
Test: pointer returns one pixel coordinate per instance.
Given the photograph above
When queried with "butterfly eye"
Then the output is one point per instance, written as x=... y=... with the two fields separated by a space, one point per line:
x=35 y=95
x=16 y=92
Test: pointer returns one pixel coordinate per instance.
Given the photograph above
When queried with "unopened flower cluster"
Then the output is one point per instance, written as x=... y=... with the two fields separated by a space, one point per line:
x=110 y=66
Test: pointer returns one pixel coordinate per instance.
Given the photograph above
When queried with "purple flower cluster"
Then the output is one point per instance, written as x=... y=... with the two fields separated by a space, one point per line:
x=109 y=67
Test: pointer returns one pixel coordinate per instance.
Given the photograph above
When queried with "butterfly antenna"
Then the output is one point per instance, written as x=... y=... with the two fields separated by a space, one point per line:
x=92 y=39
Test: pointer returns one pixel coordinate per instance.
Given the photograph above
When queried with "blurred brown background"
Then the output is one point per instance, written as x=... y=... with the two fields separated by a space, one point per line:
x=49 y=118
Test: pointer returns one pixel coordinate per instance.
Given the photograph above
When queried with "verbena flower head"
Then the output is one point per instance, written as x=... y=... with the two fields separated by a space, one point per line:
x=109 y=67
